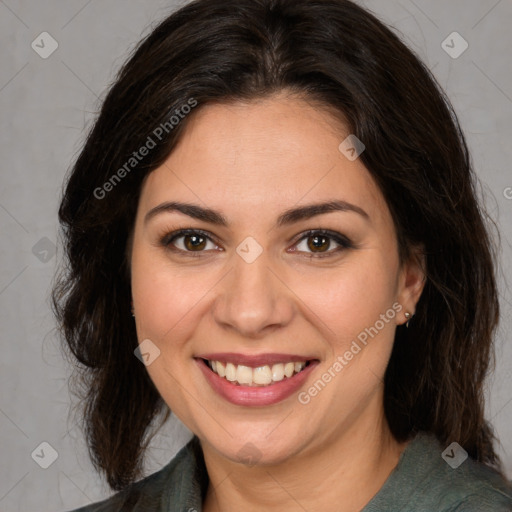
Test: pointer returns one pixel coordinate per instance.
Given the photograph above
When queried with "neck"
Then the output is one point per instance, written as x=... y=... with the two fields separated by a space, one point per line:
x=342 y=473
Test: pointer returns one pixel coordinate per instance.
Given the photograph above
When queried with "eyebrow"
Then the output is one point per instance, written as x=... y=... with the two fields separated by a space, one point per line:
x=290 y=216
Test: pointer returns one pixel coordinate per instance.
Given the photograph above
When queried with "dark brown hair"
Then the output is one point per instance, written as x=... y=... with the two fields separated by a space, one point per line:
x=336 y=53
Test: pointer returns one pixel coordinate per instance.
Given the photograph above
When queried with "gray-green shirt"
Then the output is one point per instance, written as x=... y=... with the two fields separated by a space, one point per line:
x=422 y=481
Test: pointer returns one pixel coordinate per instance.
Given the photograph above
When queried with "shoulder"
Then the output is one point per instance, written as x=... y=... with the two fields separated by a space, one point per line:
x=475 y=487
x=182 y=478
x=432 y=477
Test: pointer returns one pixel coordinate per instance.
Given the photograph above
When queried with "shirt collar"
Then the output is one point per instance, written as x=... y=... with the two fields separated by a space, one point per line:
x=188 y=482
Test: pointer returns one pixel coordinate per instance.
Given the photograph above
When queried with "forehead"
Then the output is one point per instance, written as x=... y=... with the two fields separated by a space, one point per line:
x=263 y=155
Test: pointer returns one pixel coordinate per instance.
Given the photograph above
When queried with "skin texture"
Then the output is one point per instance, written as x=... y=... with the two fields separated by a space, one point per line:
x=252 y=161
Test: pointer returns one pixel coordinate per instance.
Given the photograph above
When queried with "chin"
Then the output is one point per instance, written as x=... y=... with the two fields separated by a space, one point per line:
x=256 y=449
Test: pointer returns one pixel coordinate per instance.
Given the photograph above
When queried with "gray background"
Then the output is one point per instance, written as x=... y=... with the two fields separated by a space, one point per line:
x=47 y=105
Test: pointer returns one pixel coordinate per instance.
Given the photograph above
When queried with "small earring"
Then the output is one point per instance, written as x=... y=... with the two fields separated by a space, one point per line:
x=133 y=311
x=408 y=317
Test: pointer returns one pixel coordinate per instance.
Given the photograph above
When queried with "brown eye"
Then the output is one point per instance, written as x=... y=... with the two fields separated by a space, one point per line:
x=319 y=243
x=188 y=241
x=194 y=242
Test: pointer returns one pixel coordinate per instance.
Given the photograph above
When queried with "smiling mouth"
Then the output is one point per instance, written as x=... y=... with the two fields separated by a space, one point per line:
x=261 y=376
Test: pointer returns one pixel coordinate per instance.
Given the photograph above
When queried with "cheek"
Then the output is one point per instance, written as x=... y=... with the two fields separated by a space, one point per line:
x=353 y=297
x=167 y=304
x=166 y=301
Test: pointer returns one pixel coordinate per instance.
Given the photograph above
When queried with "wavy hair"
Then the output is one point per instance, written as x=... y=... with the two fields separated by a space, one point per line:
x=336 y=54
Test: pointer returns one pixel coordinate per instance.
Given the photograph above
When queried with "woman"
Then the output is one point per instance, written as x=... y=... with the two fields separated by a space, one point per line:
x=281 y=196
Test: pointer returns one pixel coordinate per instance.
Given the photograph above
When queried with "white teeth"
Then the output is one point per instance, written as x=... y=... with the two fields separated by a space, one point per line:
x=221 y=369
x=230 y=372
x=260 y=376
x=289 y=368
x=244 y=374
x=278 y=372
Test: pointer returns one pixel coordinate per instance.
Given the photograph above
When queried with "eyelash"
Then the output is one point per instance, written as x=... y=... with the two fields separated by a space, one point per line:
x=343 y=242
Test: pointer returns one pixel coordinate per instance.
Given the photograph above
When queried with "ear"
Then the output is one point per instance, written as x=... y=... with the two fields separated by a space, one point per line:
x=411 y=282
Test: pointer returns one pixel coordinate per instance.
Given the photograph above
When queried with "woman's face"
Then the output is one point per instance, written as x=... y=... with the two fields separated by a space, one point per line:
x=249 y=287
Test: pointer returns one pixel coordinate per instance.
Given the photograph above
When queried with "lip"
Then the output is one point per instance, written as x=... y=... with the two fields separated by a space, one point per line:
x=250 y=396
x=254 y=361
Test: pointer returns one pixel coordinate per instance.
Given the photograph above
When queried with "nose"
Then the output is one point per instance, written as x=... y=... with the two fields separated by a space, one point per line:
x=253 y=299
